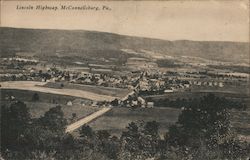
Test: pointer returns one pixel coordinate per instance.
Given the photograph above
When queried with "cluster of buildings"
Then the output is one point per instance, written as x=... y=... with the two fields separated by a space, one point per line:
x=143 y=81
x=17 y=63
x=132 y=100
x=207 y=83
x=106 y=80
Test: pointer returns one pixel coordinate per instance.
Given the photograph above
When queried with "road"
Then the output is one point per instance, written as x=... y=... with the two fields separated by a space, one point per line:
x=38 y=86
x=87 y=119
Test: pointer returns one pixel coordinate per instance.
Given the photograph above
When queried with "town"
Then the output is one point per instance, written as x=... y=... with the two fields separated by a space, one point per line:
x=141 y=83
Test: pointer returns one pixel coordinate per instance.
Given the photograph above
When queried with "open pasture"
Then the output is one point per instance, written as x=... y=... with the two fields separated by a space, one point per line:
x=47 y=101
x=109 y=91
x=39 y=87
x=118 y=118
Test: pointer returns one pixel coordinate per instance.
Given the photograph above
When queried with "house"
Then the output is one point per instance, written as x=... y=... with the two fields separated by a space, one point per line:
x=94 y=104
x=144 y=85
x=221 y=84
x=134 y=103
x=69 y=103
x=150 y=104
x=141 y=101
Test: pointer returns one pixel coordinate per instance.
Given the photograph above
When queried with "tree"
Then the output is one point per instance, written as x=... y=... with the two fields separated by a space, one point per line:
x=207 y=119
x=42 y=155
x=61 y=85
x=115 y=102
x=140 y=141
x=103 y=135
x=46 y=132
x=107 y=145
x=150 y=138
x=130 y=138
x=151 y=128
x=37 y=137
x=74 y=117
x=54 y=120
x=14 y=120
x=86 y=131
x=35 y=97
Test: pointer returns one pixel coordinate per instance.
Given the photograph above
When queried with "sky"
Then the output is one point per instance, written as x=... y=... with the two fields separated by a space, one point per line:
x=208 y=20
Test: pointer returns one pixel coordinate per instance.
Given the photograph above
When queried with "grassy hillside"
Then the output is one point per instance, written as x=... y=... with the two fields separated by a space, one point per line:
x=42 y=42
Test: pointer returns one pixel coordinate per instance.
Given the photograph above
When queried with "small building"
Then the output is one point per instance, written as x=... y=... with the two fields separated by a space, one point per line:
x=134 y=103
x=221 y=84
x=150 y=104
x=187 y=85
x=141 y=101
x=205 y=83
x=210 y=83
x=94 y=104
x=69 y=103
x=168 y=91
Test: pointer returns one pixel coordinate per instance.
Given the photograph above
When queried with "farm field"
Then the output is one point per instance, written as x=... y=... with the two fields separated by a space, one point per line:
x=109 y=91
x=116 y=120
x=37 y=86
x=240 y=120
x=232 y=88
x=47 y=101
x=26 y=95
x=196 y=94
x=37 y=109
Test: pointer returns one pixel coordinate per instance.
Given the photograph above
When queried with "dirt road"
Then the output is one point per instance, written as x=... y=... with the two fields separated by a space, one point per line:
x=87 y=119
x=38 y=86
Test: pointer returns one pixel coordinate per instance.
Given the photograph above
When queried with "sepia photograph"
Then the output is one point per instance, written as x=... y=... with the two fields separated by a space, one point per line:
x=124 y=80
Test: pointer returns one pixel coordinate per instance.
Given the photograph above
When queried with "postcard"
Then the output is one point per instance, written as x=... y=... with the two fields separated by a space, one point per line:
x=124 y=80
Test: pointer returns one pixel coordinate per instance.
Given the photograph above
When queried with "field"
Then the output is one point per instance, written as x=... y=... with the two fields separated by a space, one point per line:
x=26 y=95
x=38 y=108
x=47 y=101
x=244 y=97
x=109 y=91
x=241 y=121
x=234 y=87
x=118 y=118
x=37 y=86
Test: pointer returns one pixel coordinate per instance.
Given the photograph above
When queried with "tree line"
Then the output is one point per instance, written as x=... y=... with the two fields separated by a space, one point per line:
x=203 y=131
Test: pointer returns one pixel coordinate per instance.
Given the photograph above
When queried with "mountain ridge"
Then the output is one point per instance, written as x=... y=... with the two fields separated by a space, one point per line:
x=79 y=42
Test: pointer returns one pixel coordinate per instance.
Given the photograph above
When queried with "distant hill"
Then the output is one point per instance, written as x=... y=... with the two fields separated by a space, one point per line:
x=41 y=42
